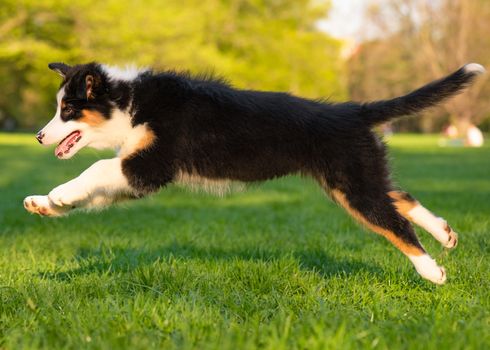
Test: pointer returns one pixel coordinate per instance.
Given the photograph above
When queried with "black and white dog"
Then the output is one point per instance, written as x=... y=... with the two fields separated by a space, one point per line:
x=174 y=128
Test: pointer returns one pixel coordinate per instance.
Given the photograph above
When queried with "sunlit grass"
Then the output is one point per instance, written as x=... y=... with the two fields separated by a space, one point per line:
x=275 y=267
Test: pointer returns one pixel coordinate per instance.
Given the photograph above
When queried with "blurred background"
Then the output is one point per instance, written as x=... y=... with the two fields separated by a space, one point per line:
x=340 y=49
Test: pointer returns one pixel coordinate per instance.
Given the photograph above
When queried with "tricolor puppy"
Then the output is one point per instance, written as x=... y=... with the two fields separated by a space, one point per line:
x=174 y=128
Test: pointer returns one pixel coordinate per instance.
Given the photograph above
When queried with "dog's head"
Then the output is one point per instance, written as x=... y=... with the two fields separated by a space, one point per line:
x=85 y=103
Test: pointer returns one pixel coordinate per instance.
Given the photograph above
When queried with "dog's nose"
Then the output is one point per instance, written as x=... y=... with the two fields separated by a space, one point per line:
x=39 y=136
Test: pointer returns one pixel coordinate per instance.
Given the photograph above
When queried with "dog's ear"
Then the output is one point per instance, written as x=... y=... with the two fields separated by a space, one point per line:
x=89 y=85
x=60 y=68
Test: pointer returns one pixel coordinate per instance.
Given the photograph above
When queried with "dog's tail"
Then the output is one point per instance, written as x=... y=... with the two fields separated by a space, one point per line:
x=427 y=96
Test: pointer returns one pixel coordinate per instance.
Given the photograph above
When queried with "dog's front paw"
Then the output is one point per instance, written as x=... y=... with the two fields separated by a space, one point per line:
x=66 y=195
x=42 y=206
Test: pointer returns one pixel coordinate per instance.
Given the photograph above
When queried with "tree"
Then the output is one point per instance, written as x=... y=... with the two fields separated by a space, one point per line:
x=422 y=41
x=30 y=36
x=260 y=44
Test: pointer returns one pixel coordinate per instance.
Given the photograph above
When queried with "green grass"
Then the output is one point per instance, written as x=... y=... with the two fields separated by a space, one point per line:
x=275 y=267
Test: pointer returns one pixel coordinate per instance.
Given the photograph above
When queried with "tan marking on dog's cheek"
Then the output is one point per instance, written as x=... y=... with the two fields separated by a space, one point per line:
x=391 y=236
x=92 y=118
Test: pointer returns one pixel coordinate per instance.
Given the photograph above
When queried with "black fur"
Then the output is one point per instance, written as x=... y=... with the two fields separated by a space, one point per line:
x=206 y=127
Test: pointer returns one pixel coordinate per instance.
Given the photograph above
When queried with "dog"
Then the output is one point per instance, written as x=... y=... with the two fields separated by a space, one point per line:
x=169 y=127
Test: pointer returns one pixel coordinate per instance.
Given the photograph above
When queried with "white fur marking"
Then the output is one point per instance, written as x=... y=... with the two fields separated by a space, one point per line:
x=431 y=223
x=128 y=73
x=218 y=187
x=104 y=177
x=428 y=268
x=57 y=129
x=474 y=68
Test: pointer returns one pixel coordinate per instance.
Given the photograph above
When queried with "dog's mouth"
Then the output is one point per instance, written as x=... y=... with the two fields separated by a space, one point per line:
x=65 y=146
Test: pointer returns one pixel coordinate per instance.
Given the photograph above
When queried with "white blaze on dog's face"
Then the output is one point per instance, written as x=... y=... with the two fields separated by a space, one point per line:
x=90 y=110
x=67 y=133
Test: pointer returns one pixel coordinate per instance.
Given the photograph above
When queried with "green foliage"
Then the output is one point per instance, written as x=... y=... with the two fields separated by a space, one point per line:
x=276 y=267
x=261 y=44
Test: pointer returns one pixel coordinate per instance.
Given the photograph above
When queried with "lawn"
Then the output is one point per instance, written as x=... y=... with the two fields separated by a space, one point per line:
x=275 y=267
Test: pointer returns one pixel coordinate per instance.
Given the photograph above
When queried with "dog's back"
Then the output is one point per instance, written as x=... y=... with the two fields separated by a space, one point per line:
x=207 y=128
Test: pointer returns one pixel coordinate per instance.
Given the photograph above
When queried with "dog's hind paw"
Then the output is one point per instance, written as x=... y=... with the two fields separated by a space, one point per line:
x=42 y=205
x=452 y=241
x=439 y=277
x=428 y=268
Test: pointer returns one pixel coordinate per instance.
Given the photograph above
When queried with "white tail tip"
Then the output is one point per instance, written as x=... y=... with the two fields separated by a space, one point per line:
x=474 y=68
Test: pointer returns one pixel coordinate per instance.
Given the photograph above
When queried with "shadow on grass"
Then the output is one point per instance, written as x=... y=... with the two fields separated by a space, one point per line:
x=114 y=260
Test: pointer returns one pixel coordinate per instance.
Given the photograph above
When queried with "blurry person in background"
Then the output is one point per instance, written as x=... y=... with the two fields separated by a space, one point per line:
x=474 y=136
x=471 y=137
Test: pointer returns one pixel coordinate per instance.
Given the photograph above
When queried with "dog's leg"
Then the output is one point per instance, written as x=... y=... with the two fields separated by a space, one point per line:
x=104 y=178
x=411 y=209
x=101 y=184
x=376 y=211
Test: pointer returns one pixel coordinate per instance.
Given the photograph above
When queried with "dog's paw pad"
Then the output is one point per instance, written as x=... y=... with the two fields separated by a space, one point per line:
x=40 y=205
x=452 y=239
x=32 y=204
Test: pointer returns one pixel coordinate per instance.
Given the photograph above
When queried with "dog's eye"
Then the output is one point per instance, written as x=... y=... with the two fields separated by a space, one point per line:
x=67 y=113
x=67 y=110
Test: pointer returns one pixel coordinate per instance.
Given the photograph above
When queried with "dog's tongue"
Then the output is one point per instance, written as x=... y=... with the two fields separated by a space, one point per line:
x=67 y=143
